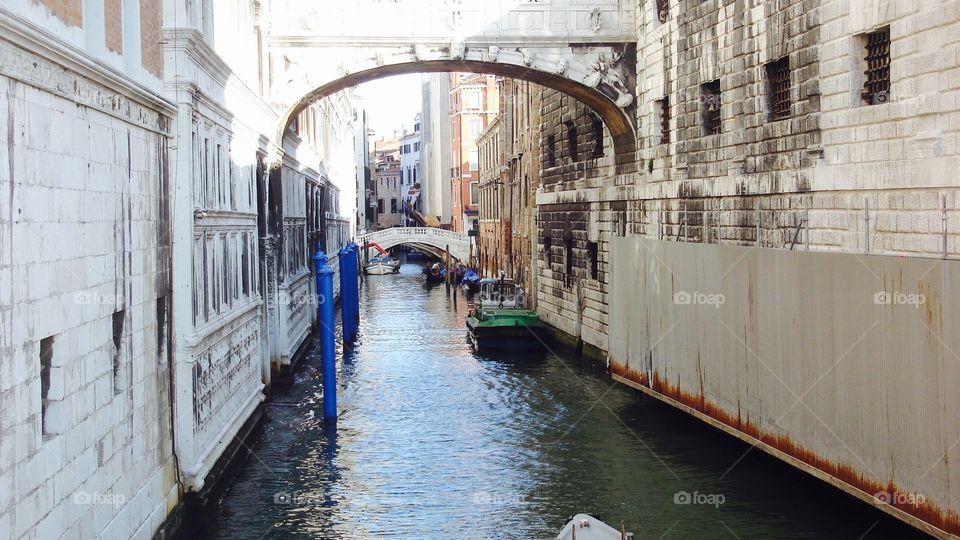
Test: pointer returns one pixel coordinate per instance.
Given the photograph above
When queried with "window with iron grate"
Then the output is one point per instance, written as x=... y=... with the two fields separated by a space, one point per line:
x=663 y=110
x=663 y=10
x=596 y=126
x=712 y=101
x=778 y=88
x=876 y=87
x=592 y=255
x=572 y=142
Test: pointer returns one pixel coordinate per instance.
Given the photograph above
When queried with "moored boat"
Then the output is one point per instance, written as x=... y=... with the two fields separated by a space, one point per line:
x=470 y=281
x=378 y=266
x=500 y=321
x=587 y=527
x=435 y=273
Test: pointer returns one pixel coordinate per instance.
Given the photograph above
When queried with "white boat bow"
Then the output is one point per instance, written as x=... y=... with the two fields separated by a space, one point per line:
x=587 y=527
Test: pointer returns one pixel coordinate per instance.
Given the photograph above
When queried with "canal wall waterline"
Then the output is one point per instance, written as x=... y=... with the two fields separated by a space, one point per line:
x=848 y=380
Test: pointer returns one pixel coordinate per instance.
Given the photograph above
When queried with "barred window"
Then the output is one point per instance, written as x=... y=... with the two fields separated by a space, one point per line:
x=663 y=111
x=876 y=88
x=778 y=88
x=592 y=254
x=596 y=126
x=663 y=10
x=572 y=143
x=711 y=99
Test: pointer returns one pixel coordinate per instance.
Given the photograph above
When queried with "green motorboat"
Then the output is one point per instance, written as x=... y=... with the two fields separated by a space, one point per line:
x=499 y=320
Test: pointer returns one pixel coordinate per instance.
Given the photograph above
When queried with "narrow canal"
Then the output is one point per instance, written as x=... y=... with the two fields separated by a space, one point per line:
x=434 y=441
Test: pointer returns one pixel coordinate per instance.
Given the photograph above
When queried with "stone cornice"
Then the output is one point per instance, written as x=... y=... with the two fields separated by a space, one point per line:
x=36 y=40
x=190 y=42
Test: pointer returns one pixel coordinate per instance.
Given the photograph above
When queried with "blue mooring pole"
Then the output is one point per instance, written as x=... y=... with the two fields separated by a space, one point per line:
x=326 y=327
x=356 y=285
x=343 y=258
x=354 y=291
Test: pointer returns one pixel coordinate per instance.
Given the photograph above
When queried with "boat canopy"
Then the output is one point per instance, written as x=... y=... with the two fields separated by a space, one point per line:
x=494 y=280
x=495 y=293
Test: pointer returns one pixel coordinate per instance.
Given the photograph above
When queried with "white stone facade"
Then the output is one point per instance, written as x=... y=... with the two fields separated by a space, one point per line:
x=85 y=366
x=139 y=251
x=411 y=172
x=436 y=150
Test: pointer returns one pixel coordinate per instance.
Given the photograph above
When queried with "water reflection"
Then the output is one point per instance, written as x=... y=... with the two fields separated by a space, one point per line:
x=434 y=441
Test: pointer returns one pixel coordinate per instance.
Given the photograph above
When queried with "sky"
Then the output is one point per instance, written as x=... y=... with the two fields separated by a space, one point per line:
x=391 y=102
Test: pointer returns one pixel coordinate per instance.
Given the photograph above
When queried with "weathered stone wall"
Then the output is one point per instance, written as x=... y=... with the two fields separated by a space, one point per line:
x=730 y=43
x=836 y=174
x=575 y=148
x=85 y=430
x=571 y=280
x=575 y=154
x=524 y=99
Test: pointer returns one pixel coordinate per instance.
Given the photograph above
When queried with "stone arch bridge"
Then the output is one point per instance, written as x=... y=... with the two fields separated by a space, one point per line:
x=426 y=239
x=584 y=49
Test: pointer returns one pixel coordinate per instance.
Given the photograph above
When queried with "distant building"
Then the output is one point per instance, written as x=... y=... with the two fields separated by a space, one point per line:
x=436 y=150
x=491 y=252
x=474 y=102
x=509 y=178
x=386 y=183
x=387 y=180
x=364 y=214
x=410 y=176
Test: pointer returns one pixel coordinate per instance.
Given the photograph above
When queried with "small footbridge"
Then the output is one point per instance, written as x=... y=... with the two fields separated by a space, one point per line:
x=430 y=240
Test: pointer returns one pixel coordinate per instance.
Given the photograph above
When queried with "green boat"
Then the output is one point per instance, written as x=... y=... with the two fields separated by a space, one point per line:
x=499 y=320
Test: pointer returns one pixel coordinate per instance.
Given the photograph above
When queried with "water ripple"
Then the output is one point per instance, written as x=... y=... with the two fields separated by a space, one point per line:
x=434 y=441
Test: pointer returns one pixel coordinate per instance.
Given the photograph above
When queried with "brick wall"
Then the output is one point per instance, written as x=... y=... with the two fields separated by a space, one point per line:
x=151 y=51
x=113 y=24
x=68 y=11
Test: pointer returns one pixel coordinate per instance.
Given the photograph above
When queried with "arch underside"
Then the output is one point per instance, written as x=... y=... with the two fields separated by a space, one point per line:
x=600 y=99
x=438 y=252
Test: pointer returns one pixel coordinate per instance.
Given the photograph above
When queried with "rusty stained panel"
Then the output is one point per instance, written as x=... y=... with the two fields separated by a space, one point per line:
x=787 y=318
x=901 y=499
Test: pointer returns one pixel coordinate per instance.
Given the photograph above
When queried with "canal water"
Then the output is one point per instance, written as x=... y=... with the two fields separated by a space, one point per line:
x=435 y=441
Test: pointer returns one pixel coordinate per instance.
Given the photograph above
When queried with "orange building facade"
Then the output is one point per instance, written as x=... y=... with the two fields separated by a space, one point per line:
x=474 y=103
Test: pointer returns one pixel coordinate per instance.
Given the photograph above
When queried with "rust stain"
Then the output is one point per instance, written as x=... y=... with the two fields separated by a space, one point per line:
x=943 y=519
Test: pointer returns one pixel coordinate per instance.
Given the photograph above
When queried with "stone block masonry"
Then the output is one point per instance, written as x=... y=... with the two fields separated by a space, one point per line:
x=760 y=124
x=84 y=383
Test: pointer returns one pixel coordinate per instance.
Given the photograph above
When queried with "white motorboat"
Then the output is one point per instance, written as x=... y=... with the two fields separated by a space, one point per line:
x=587 y=527
x=378 y=266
